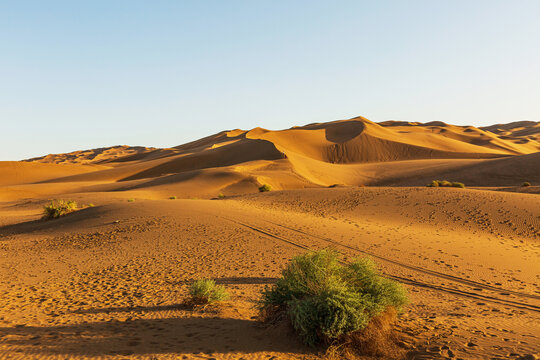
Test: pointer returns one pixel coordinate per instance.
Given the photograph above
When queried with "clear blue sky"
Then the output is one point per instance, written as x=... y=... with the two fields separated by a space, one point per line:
x=84 y=74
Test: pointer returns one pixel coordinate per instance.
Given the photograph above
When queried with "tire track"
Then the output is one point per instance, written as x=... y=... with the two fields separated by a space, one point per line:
x=462 y=293
x=415 y=268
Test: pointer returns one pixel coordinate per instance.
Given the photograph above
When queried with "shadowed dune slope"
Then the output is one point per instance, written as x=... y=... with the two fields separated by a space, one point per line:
x=512 y=171
x=516 y=129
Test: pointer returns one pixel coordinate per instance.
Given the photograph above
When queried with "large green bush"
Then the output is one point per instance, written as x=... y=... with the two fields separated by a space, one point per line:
x=58 y=208
x=326 y=300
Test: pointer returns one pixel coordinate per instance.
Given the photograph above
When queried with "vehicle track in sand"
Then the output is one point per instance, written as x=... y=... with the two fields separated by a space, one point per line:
x=415 y=268
x=458 y=292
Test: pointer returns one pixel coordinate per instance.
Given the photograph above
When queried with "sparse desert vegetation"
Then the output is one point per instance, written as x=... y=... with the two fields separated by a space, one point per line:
x=205 y=291
x=131 y=200
x=526 y=183
x=326 y=300
x=57 y=208
x=172 y=197
x=265 y=188
x=446 y=183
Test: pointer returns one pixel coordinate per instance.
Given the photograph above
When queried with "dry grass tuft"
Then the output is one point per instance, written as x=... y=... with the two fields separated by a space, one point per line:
x=58 y=208
x=265 y=188
x=205 y=291
x=445 y=183
x=378 y=338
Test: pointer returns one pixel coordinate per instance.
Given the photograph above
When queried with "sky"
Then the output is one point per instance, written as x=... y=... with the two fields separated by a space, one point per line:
x=85 y=74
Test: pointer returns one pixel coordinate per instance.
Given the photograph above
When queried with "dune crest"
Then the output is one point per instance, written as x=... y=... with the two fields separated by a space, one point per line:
x=94 y=156
x=356 y=151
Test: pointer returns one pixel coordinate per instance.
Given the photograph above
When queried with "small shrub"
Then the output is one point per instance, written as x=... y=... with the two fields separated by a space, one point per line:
x=526 y=183
x=58 y=208
x=265 y=188
x=205 y=291
x=221 y=196
x=327 y=301
x=445 y=183
x=131 y=200
x=172 y=197
x=91 y=205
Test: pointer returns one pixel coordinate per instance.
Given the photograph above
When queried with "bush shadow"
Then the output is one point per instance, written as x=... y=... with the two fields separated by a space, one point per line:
x=193 y=335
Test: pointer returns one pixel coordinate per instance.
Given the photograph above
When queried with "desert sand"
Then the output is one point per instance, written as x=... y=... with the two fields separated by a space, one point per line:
x=109 y=280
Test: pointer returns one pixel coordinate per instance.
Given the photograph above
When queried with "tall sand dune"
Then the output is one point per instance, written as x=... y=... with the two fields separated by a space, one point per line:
x=349 y=152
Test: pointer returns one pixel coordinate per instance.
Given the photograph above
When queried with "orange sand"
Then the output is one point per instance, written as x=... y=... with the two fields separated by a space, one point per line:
x=108 y=281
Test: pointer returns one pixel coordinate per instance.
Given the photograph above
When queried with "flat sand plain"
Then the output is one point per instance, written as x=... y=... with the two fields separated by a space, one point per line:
x=109 y=281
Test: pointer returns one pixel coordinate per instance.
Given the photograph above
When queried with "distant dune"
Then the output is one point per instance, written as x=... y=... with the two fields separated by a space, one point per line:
x=349 y=152
x=99 y=155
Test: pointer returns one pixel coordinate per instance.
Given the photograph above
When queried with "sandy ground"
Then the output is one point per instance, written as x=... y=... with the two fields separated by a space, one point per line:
x=109 y=281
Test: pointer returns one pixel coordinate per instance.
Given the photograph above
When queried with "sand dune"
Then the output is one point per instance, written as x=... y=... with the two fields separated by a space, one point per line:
x=99 y=155
x=527 y=129
x=349 y=152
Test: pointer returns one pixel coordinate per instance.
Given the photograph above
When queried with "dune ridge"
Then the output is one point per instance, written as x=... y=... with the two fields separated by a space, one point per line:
x=356 y=151
x=94 y=156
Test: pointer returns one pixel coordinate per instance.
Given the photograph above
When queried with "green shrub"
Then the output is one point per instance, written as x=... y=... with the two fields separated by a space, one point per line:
x=172 y=197
x=526 y=183
x=445 y=183
x=265 y=188
x=221 y=196
x=91 y=205
x=58 y=208
x=131 y=200
x=326 y=300
x=205 y=291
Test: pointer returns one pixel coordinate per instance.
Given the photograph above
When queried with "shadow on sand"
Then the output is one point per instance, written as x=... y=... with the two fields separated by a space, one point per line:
x=65 y=223
x=193 y=335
